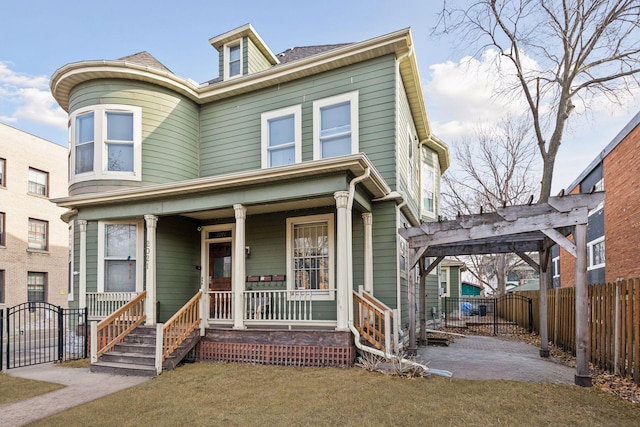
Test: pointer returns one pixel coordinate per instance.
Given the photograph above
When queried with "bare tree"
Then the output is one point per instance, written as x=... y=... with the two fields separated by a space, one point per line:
x=580 y=49
x=497 y=168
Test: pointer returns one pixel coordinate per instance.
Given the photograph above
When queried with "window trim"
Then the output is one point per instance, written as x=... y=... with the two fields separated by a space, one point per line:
x=45 y=284
x=139 y=253
x=599 y=186
x=46 y=184
x=3 y=172
x=590 y=246
x=555 y=264
x=353 y=99
x=320 y=294
x=227 y=59
x=3 y=230
x=100 y=144
x=2 y=288
x=265 y=118
x=426 y=169
x=46 y=235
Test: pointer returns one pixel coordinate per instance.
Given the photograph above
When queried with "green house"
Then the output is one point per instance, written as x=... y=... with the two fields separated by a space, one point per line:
x=274 y=191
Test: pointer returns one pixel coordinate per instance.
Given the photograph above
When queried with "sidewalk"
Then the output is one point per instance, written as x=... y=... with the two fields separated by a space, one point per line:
x=81 y=386
x=495 y=358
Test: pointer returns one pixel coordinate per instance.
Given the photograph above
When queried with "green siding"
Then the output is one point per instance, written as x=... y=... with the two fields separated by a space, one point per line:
x=230 y=129
x=454 y=280
x=255 y=60
x=433 y=295
x=169 y=126
x=406 y=132
x=92 y=256
x=178 y=254
x=385 y=253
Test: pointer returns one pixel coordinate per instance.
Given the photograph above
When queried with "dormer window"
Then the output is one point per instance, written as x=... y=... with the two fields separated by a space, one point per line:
x=233 y=60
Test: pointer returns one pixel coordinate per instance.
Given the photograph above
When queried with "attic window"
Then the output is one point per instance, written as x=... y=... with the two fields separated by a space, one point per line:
x=233 y=59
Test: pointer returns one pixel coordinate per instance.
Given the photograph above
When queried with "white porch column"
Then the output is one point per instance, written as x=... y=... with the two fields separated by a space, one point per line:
x=582 y=377
x=367 y=219
x=239 y=269
x=342 y=264
x=150 y=268
x=82 y=284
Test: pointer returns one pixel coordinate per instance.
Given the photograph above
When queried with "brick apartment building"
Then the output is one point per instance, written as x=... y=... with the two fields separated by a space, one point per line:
x=34 y=241
x=613 y=231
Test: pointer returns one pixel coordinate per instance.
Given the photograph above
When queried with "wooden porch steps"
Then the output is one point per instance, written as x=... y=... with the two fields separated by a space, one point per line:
x=135 y=356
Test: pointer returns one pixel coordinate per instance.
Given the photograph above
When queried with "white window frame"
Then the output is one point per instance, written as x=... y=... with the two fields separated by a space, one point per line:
x=599 y=186
x=425 y=171
x=38 y=175
x=227 y=59
x=411 y=164
x=445 y=271
x=590 y=246
x=320 y=294
x=352 y=98
x=265 y=118
x=140 y=260
x=555 y=264
x=100 y=155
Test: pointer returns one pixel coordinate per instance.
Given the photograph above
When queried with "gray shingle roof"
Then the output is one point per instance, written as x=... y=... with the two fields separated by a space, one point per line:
x=145 y=59
x=297 y=53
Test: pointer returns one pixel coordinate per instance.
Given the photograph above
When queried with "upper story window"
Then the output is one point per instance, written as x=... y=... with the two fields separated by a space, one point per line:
x=38 y=182
x=106 y=143
x=428 y=181
x=3 y=172
x=595 y=253
x=281 y=137
x=38 y=234
x=411 y=168
x=335 y=126
x=233 y=60
x=2 y=230
x=120 y=249
x=36 y=287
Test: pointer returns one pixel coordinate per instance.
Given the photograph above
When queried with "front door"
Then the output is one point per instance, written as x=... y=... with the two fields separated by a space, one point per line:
x=220 y=266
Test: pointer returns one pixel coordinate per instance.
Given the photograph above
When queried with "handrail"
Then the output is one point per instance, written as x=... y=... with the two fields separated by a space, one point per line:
x=178 y=328
x=112 y=330
x=373 y=322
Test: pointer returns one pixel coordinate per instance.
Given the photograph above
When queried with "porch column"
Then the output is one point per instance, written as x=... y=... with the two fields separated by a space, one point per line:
x=367 y=219
x=342 y=265
x=82 y=284
x=239 y=267
x=150 y=268
x=582 y=377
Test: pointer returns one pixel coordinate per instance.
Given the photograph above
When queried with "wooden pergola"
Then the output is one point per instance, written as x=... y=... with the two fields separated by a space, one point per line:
x=514 y=229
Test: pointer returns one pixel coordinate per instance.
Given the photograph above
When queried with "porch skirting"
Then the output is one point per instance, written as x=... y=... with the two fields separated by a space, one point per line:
x=285 y=348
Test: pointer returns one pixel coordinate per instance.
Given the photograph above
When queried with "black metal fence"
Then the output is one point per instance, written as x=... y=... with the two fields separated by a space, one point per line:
x=39 y=332
x=505 y=314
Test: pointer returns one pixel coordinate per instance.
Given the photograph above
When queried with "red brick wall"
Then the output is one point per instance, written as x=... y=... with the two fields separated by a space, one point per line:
x=567 y=261
x=622 y=209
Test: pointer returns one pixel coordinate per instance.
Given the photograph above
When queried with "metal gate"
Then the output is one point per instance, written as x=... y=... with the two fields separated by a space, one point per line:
x=39 y=332
x=505 y=314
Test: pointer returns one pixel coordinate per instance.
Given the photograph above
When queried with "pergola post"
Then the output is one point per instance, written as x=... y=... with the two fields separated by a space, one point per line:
x=422 y=304
x=544 y=306
x=413 y=348
x=582 y=377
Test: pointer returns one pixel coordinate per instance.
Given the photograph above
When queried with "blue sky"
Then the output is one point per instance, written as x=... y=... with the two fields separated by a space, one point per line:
x=40 y=36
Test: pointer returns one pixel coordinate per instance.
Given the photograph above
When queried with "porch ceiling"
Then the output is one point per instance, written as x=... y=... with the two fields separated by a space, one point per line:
x=264 y=208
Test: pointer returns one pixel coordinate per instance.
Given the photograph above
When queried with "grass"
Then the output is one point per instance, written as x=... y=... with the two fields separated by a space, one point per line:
x=14 y=389
x=240 y=395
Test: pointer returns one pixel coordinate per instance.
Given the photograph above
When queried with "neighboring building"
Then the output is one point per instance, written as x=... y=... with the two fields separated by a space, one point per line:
x=34 y=241
x=276 y=188
x=471 y=289
x=613 y=231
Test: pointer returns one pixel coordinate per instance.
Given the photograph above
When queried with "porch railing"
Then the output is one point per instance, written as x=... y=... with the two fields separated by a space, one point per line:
x=220 y=305
x=102 y=304
x=110 y=331
x=375 y=321
x=177 y=329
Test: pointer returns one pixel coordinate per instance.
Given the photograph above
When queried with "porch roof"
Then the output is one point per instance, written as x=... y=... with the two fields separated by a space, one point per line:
x=353 y=165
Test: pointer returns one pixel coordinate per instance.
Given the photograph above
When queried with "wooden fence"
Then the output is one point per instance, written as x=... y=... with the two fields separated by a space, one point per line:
x=614 y=324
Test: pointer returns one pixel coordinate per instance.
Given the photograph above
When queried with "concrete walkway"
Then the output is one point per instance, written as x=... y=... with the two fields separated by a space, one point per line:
x=495 y=358
x=81 y=386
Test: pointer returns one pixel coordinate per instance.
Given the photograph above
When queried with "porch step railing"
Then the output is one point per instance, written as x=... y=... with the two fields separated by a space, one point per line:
x=177 y=329
x=375 y=322
x=220 y=305
x=112 y=330
x=102 y=304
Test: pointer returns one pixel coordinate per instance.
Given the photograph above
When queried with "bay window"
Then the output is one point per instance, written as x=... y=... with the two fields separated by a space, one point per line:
x=120 y=256
x=281 y=137
x=335 y=126
x=310 y=259
x=106 y=143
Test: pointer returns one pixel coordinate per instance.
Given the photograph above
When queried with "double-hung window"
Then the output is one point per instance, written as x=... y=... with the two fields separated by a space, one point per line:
x=595 y=252
x=233 y=60
x=281 y=137
x=335 y=126
x=310 y=259
x=106 y=143
x=120 y=257
x=38 y=234
x=427 y=177
x=38 y=182
x=2 y=230
x=36 y=287
x=3 y=172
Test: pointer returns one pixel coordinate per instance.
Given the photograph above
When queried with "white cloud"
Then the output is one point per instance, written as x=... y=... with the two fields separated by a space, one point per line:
x=27 y=97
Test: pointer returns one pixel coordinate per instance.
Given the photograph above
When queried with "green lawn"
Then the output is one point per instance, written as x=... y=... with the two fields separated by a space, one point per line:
x=241 y=395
